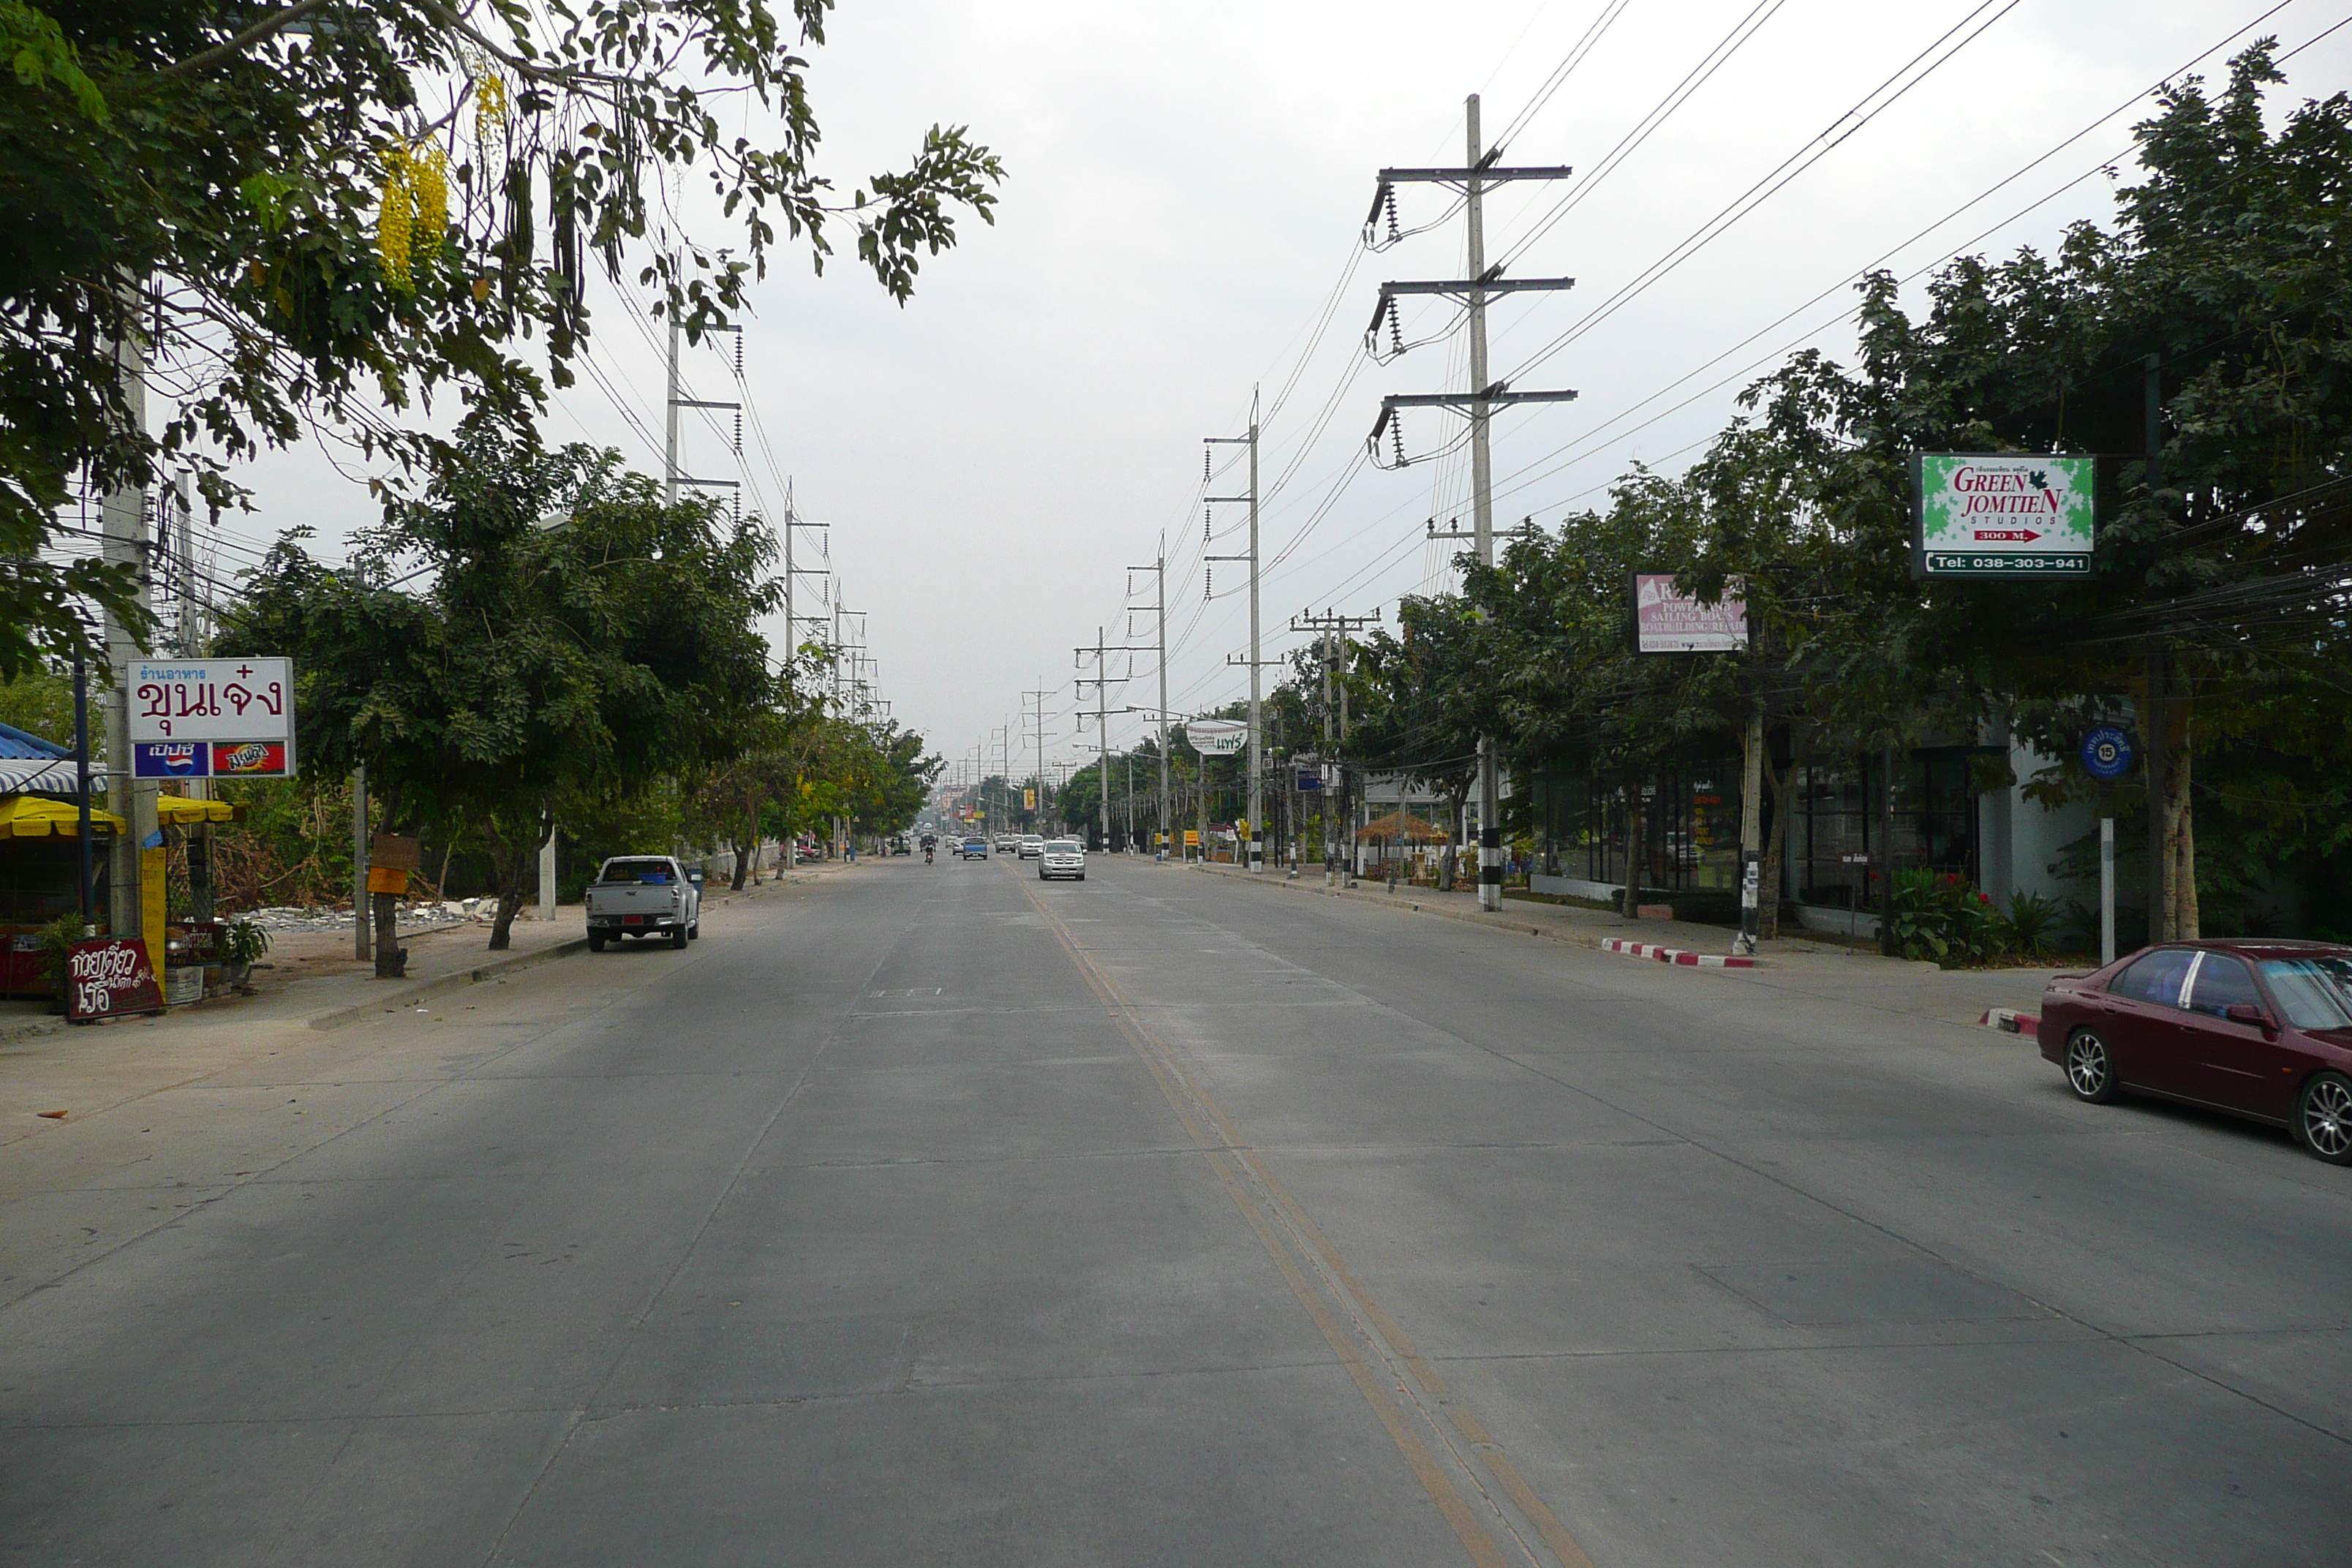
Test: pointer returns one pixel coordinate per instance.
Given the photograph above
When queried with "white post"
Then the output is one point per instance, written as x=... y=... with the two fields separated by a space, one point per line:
x=547 y=876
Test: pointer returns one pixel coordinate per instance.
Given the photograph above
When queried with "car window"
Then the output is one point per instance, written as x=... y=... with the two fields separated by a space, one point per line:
x=2156 y=978
x=637 y=871
x=2314 y=993
x=2221 y=983
x=1064 y=847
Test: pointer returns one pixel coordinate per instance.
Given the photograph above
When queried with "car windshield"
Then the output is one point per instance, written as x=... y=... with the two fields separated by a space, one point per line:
x=637 y=871
x=1064 y=846
x=2314 y=992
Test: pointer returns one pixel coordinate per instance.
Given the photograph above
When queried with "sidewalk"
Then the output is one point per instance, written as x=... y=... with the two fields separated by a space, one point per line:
x=1797 y=966
x=46 y=1065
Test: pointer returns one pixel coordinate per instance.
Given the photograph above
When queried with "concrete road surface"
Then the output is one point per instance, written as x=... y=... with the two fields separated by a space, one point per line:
x=939 y=1216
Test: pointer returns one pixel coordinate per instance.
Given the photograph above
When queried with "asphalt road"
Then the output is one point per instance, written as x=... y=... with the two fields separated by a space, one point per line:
x=941 y=1217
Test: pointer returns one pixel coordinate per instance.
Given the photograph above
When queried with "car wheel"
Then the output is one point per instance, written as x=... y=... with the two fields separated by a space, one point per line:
x=1082 y=875
x=678 y=937
x=693 y=931
x=2322 y=1118
x=596 y=942
x=2090 y=1069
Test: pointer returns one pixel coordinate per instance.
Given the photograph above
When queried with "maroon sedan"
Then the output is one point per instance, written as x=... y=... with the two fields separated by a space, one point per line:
x=2260 y=1030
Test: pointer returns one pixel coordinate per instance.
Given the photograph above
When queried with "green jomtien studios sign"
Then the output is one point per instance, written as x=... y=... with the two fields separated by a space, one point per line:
x=2000 y=515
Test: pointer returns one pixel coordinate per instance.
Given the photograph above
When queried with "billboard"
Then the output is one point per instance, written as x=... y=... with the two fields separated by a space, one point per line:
x=1217 y=737
x=211 y=718
x=2000 y=515
x=1668 y=620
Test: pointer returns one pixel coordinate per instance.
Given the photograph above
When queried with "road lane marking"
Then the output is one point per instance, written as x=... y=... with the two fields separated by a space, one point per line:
x=1273 y=1215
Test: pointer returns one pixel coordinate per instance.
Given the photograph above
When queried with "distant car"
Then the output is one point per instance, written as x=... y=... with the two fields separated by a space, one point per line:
x=2261 y=1029
x=975 y=849
x=1031 y=845
x=644 y=894
x=1061 y=857
x=1007 y=843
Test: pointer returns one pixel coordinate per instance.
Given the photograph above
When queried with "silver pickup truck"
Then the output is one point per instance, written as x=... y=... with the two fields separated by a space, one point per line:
x=643 y=895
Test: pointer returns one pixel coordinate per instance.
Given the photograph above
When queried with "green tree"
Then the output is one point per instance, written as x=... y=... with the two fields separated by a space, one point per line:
x=312 y=207
x=577 y=640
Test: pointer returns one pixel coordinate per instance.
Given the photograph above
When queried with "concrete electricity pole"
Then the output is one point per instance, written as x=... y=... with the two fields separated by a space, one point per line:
x=1480 y=400
x=1257 y=854
x=1159 y=570
x=1100 y=682
x=123 y=525
x=1332 y=628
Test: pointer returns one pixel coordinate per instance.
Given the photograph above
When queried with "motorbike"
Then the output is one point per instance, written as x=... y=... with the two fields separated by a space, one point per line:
x=927 y=857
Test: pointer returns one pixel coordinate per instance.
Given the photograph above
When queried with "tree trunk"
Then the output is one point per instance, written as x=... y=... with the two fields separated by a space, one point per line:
x=743 y=846
x=1776 y=844
x=509 y=867
x=391 y=959
x=2180 y=822
x=1635 y=848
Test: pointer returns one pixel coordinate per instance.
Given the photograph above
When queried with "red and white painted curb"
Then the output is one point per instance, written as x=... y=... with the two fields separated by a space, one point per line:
x=1660 y=953
x=2010 y=1021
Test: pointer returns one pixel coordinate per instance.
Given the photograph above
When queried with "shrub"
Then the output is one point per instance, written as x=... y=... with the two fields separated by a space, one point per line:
x=1940 y=916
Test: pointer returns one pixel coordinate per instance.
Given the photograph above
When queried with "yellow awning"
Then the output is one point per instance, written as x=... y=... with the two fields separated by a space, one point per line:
x=179 y=811
x=37 y=816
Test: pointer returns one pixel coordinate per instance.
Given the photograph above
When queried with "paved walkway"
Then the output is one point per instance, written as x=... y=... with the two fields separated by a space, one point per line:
x=1796 y=965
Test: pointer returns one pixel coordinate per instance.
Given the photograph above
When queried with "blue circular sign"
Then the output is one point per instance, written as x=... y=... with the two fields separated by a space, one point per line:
x=2107 y=752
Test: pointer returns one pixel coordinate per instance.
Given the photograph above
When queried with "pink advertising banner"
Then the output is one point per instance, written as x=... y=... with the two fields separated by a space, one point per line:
x=1666 y=620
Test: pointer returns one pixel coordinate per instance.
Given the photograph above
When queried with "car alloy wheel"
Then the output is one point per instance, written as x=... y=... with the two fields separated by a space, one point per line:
x=2090 y=1072
x=2322 y=1118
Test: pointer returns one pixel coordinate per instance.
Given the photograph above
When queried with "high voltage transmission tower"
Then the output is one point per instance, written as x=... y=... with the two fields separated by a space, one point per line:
x=1479 y=401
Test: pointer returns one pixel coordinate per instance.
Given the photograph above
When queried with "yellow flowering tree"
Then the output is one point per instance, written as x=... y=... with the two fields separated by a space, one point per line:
x=317 y=209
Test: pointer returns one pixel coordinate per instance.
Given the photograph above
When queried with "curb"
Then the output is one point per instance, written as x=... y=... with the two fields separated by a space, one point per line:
x=1492 y=922
x=336 y=1018
x=2010 y=1021
x=1683 y=956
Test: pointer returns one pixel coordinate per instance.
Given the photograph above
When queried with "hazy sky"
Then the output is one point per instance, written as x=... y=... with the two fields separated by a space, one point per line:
x=1187 y=188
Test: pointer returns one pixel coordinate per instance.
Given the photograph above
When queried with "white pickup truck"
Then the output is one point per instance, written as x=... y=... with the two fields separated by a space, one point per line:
x=643 y=895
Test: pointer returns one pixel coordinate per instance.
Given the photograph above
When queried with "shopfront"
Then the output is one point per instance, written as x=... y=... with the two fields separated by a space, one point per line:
x=1688 y=817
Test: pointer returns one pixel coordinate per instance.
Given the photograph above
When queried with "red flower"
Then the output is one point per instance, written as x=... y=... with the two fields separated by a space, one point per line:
x=1984 y=898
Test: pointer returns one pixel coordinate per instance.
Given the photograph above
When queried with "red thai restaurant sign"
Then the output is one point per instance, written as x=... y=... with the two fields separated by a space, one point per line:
x=110 y=977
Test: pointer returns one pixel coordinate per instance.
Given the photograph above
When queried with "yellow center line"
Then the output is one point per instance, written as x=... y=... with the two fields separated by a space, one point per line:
x=1239 y=1170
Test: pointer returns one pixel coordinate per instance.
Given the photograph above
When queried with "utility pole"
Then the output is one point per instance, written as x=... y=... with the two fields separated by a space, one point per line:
x=1101 y=681
x=122 y=523
x=1159 y=570
x=671 y=478
x=1480 y=400
x=1332 y=629
x=1257 y=852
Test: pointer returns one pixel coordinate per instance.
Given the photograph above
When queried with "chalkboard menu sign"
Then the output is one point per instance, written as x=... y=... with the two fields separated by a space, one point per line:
x=110 y=977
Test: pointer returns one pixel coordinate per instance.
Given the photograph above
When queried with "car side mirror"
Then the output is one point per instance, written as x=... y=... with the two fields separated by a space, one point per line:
x=2247 y=1013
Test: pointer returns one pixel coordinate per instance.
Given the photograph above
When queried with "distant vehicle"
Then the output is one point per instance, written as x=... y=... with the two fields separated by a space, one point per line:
x=896 y=844
x=975 y=849
x=930 y=840
x=2261 y=1029
x=642 y=896
x=1007 y=843
x=1031 y=845
x=1061 y=857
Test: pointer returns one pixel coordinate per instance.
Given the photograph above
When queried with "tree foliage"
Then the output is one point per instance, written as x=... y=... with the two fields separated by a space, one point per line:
x=302 y=212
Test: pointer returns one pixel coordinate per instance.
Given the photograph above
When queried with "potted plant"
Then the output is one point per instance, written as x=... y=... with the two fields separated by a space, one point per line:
x=242 y=942
x=56 y=943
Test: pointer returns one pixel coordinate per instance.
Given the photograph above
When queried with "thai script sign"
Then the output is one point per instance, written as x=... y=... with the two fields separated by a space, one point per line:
x=2005 y=515
x=171 y=760
x=1668 y=620
x=108 y=977
x=1217 y=737
x=234 y=703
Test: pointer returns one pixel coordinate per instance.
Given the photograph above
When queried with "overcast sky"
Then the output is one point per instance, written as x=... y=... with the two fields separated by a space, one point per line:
x=1186 y=189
